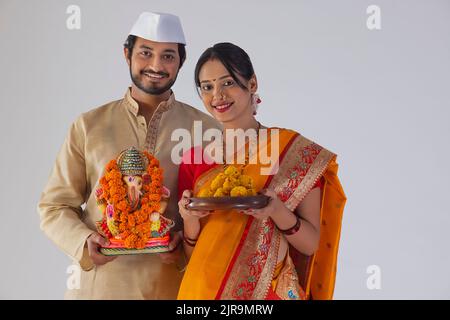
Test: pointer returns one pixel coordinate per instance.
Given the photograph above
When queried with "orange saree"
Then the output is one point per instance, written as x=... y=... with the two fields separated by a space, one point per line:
x=236 y=255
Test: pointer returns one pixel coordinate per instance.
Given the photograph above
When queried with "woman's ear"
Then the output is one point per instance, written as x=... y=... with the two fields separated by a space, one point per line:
x=253 y=84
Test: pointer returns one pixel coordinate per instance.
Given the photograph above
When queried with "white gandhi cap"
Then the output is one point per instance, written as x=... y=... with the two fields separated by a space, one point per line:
x=159 y=27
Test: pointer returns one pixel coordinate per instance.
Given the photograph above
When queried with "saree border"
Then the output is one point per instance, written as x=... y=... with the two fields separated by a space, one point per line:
x=300 y=171
x=244 y=281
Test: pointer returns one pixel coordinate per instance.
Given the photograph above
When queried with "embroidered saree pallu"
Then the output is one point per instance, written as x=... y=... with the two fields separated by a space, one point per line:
x=237 y=256
x=133 y=199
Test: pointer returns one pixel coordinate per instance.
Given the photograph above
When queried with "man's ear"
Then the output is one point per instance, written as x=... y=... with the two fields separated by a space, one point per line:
x=181 y=63
x=253 y=84
x=125 y=52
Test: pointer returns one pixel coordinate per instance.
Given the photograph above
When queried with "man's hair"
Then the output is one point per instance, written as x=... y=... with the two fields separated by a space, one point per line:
x=131 y=40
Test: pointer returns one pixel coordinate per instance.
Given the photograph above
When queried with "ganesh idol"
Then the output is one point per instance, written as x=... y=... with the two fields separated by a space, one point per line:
x=132 y=199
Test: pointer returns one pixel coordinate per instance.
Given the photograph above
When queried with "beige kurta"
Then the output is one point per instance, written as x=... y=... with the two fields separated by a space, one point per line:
x=93 y=140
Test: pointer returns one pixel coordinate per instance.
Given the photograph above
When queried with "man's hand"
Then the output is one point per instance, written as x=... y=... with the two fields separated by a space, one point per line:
x=174 y=254
x=94 y=242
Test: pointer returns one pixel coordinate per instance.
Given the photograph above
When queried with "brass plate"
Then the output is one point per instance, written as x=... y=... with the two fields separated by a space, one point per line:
x=226 y=203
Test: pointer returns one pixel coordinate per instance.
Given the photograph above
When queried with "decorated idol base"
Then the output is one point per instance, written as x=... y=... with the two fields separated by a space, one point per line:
x=155 y=245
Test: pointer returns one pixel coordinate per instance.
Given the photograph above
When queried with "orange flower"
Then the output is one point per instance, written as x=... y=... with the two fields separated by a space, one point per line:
x=123 y=228
x=123 y=219
x=122 y=205
x=154 y=163
x=131 y=221
x=140 y=243
x=105 y=194
x=155 y=197
x=121 y=191
x=146 y=228
x=116 y=175
x=140 y=228
x=111 y=165
x=124 y=234
x=115 y=199
x=103 y=181
x=130 y=241
x=156 y=184
x=141 y=216
x=156 y=207
x=146 y=208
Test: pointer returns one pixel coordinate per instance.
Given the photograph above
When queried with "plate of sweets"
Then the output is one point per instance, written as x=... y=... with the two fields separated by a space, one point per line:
x=229 y=189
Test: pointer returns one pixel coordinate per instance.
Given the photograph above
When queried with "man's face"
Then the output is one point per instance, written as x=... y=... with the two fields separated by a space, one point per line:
x=154 y=65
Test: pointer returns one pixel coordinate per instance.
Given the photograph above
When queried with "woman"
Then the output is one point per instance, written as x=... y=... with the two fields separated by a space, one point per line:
x=286 y=250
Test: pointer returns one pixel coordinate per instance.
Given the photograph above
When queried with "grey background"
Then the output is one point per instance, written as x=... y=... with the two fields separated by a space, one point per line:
x=379 y=99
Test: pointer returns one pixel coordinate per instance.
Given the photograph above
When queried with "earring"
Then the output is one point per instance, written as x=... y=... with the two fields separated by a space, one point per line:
x=256 y=100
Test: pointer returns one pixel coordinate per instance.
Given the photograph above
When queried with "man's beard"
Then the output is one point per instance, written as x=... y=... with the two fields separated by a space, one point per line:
x=151 y=89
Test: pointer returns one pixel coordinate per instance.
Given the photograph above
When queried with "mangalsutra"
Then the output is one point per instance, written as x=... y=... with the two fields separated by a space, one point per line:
x=247 y=154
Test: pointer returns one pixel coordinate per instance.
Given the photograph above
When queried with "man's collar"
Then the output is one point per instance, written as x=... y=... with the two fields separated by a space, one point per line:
x=133 y=106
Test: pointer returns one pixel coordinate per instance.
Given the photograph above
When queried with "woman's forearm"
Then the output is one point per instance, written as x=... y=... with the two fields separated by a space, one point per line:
x=191 y=232
x=306 y=239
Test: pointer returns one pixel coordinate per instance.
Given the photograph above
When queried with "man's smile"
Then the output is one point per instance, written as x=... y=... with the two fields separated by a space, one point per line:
x=154 y=76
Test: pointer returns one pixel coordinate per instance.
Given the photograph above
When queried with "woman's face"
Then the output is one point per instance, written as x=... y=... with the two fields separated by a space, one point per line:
x=222 y=96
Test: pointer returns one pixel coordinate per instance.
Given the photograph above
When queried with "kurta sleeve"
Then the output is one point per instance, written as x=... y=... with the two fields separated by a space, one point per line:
x=60 y=203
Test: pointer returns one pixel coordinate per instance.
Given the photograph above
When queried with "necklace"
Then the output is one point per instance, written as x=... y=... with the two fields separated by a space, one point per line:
x=247 y=154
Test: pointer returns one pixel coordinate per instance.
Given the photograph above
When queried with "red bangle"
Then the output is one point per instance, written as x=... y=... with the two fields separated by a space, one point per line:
x=294 y=228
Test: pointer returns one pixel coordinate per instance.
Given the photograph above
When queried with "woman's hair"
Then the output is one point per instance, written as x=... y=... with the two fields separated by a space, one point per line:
x=131 y=40
x=234 y=59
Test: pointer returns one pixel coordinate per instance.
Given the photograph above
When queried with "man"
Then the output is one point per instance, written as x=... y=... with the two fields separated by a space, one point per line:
x=144 y=118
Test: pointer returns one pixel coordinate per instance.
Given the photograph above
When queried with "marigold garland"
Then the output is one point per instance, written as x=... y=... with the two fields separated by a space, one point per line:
x=134 y=227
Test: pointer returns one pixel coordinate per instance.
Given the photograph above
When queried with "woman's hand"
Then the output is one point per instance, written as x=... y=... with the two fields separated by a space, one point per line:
x=191 y=220
x=306 y=239
x=274 y=206
x=189 y=215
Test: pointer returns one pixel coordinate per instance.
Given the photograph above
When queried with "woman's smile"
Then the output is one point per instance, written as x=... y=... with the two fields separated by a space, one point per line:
x=223 y=107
